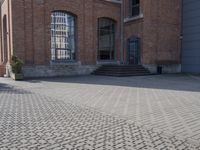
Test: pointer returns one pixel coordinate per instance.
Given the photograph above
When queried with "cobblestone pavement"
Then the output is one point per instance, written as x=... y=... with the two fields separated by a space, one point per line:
x=101 y=113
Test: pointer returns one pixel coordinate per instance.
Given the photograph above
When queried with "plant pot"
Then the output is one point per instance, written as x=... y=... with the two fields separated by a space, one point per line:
x=18 y=76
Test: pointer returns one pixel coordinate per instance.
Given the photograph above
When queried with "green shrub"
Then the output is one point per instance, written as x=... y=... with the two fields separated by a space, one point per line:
x=16 y=65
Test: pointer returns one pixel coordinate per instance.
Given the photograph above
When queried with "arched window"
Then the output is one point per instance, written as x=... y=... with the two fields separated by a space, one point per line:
x=106 y=39
x=62 y=36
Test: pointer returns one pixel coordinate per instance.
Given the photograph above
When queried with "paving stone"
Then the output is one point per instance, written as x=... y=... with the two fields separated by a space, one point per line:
x=98 y=114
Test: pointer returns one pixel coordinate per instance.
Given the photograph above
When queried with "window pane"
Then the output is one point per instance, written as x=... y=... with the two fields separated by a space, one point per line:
x=135 y=7
x=62 y=36
x=135 y=11
x=106 y=39
x=135 y=2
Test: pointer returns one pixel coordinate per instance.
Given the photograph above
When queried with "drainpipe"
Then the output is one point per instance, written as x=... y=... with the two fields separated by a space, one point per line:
x=122 y=33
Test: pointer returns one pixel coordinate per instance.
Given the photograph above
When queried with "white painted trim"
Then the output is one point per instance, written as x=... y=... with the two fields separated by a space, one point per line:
x=115 y=1
x=140 y=16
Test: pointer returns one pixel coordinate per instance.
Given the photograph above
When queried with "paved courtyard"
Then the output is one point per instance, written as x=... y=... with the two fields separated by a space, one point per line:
x=101 y=113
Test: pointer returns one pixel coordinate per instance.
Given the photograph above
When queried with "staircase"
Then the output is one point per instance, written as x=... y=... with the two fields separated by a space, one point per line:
x=2 y=70
x=121 y=70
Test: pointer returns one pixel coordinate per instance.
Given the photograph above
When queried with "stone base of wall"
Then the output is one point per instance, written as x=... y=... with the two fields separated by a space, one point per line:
x=57 y=70
x=176 y=68
x=71 y=70
x=2 y=70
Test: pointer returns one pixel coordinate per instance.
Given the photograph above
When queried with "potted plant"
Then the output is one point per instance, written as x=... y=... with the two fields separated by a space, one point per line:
x=16 y=68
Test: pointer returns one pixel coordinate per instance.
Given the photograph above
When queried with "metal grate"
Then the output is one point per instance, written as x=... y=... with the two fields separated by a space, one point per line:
x=62 y=36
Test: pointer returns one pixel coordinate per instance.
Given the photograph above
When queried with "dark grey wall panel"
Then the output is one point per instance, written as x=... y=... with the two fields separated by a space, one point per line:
x=191 y=36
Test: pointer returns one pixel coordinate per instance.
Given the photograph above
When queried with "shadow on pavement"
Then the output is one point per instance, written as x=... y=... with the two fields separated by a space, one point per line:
x=8 y=88
x=178 y=82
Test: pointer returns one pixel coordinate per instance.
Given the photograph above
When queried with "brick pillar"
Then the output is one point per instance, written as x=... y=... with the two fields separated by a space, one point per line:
x=39 y=32
x=89 y=50
x=29 y=48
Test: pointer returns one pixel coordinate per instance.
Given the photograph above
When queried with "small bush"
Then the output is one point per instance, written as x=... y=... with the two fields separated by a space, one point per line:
x=16 y=65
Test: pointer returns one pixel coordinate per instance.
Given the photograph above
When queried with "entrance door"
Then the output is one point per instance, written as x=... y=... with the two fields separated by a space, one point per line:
x=133 y=51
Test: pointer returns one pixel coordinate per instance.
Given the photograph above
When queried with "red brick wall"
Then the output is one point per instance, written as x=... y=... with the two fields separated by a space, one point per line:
x=133 y=29
x=159 y=30
x=31 y=27
x=2 y=70
x=163 y=24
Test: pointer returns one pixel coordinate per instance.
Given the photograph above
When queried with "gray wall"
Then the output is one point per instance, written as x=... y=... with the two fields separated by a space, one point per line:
x=191 y=36
x=57 y=70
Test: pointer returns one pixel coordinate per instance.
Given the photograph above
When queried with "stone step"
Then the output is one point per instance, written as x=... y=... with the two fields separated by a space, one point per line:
x=121 y=70
x=123 y=75
x=122 y=67
x=2 y=70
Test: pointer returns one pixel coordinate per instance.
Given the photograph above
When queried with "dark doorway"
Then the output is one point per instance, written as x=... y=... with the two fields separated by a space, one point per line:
x=134 y=51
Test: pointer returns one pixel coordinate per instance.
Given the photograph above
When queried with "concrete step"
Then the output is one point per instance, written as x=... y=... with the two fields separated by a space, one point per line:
x=122 y=75
x=2 y=70
x=123 y=66
x=121 y=70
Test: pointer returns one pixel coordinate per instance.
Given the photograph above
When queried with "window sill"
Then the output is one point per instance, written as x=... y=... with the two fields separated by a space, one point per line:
x=140 y=16
x=104 y=62
x=114 y=1
x=64 y=63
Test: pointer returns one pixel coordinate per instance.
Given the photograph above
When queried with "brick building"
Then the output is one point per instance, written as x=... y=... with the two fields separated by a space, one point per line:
x=157 y=24
x=69 y=37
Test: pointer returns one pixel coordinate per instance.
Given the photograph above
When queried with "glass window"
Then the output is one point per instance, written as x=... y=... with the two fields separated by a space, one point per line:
x=62 y=36
x=106 y=39
x=135 y=8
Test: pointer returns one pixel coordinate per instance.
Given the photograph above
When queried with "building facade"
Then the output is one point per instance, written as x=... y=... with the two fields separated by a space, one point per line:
x=191 y=36
x=70 y=37
x=156 y=23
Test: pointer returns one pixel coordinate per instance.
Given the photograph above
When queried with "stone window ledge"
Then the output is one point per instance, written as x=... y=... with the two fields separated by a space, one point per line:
x=141 y=16
x=64 y=63
x=114 y=1
x=107 y=62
